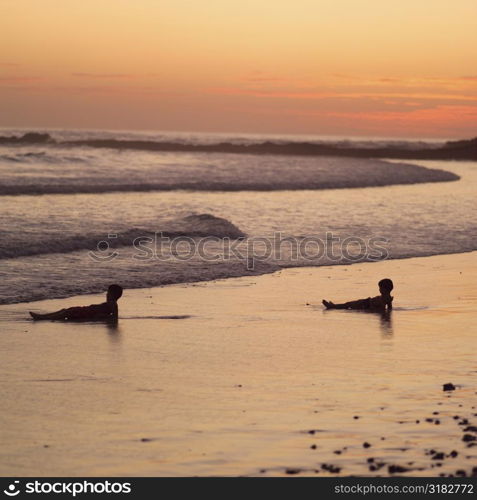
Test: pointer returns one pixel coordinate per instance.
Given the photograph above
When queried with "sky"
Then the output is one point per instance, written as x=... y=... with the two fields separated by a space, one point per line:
x=387 y=68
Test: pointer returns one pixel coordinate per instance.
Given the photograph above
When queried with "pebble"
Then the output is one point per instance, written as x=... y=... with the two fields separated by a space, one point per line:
x=393 y=469
x=331 y=468
x=448 y=387
x=366 y=445
x=292 y=471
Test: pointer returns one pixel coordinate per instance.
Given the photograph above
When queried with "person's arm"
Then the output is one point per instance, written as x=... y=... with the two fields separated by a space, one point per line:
x=114 y=312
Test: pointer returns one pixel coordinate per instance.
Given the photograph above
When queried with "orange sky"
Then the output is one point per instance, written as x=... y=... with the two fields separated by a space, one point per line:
x=342 y=67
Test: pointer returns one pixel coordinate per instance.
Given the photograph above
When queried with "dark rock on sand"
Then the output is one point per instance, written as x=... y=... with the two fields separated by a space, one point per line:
x=470 y=428
x=396 y=469
x=292 y=471
x=366 y=445
x=448 y=387
x=468 y=437
x=438 y=456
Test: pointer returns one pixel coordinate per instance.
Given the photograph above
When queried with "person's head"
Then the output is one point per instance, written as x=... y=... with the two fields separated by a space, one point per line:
x=114 y=293
x=385 y=286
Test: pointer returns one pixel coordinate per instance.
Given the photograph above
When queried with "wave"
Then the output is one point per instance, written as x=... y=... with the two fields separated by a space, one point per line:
x=42 y=157
x=451 y=150
x=191 y=226
x=28 y=138
x=342 y=177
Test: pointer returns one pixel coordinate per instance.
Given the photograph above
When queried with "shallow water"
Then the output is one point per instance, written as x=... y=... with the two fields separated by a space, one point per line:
x=236 y=388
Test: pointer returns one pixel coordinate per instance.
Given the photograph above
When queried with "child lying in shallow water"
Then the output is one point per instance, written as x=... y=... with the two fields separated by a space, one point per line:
x=107 y=311
x=378 y=303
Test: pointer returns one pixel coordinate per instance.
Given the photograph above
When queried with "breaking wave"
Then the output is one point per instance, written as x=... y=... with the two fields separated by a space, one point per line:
x=464 y=149
x=192 y=226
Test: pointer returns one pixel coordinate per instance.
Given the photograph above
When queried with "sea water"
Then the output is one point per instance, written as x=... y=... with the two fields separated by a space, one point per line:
x=76 y=217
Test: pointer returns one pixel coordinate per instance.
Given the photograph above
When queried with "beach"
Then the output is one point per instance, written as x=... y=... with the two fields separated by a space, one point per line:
x=250 y=376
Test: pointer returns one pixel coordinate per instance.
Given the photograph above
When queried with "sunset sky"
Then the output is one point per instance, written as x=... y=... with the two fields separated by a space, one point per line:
x=404 y=68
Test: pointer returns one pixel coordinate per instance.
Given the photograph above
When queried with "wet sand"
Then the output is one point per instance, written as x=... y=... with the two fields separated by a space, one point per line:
x=250 y=376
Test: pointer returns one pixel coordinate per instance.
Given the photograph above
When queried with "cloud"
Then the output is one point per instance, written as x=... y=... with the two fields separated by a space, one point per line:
x=103 y=75
x=19 y=79
x=444 y=114
x=280 y=94
x=265 y=79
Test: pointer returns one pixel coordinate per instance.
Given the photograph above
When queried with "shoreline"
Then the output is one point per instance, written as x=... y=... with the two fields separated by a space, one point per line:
x=234 y=276
x=250 y=376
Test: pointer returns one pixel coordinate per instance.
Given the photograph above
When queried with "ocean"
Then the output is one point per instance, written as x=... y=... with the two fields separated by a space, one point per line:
x=83 y=209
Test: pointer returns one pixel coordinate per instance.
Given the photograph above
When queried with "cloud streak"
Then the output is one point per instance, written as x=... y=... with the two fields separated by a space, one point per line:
x=110 y=76
x=280 y=94
x=19 y=79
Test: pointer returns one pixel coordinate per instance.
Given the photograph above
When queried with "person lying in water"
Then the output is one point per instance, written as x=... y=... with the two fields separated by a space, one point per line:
x=378 y=303
x=107 y=311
